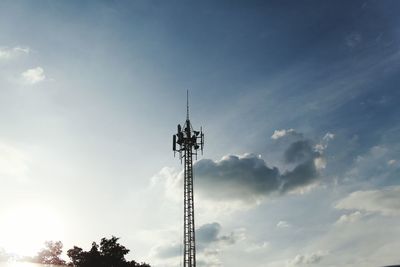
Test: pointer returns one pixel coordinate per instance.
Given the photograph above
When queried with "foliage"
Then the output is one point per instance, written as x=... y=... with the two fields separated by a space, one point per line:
x=109 y=254
x=51 y=254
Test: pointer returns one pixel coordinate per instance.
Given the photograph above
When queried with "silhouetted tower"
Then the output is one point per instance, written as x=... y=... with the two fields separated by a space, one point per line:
x=189 y=142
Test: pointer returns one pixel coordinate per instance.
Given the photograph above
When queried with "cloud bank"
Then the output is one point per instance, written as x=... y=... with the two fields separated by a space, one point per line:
x=248 y=177
x=385 y=201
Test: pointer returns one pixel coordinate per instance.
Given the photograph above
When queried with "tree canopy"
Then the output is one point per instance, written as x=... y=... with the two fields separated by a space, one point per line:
x=51 y=253
x=109 y=254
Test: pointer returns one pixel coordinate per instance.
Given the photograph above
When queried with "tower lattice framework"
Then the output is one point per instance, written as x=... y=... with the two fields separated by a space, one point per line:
x=189 y=142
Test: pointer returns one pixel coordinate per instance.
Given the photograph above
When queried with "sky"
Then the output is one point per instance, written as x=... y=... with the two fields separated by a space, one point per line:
x=298 y=101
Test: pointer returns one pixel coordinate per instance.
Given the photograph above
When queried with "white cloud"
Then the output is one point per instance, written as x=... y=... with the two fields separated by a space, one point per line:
x=323 y=145
x=320 y=163
x=281 y=133
x=283 y=224
x=391 y=162
x=307 y=259
x=34 y=75
x=349 y=218
x=328 y=136
x=385 y=201
x=8 y=53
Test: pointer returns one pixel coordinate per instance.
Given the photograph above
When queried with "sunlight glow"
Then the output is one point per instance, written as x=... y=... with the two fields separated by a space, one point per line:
x=24 y=228
x=19 y=264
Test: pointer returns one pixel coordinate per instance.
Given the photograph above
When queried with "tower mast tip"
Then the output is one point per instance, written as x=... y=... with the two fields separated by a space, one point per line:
x=187 y=104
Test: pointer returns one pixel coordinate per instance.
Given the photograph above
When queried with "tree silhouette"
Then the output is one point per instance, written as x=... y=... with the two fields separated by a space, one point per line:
x=109 y=254
x=112 y=252
x=51 y=253
x=75 y=254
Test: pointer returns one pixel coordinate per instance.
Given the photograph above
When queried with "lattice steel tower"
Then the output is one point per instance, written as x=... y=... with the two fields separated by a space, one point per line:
x=189 y=142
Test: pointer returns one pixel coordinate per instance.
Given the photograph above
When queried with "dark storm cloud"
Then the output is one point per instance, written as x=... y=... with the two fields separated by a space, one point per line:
x=248 y=177
x=210 y=233
x=300 y=151
x=302 y=175
x=244 y=177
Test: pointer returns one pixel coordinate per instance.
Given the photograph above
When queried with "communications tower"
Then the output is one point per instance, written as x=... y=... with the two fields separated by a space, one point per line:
x=189 y=142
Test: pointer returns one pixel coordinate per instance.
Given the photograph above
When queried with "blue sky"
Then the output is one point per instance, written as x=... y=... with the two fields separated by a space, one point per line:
x=298 y=100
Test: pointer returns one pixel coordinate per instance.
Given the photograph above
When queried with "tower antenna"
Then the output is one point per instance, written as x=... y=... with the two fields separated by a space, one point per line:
x=187 y=142
x=187 y=105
